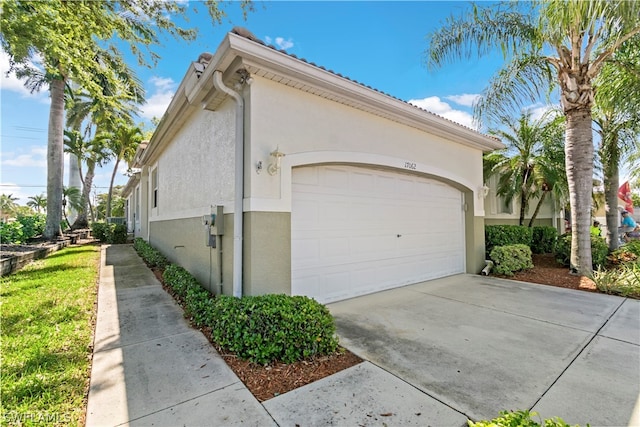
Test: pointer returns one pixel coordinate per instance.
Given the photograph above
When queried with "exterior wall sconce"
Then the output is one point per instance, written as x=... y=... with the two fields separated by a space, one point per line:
x=274 y=167
x=483 y=191
x=259 y=166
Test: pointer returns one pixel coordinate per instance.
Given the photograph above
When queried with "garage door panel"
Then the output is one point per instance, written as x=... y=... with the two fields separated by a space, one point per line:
x=357 y=230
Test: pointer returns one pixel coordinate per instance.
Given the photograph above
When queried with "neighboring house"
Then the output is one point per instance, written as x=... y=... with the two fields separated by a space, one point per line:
x=326 y=187
x=500 y=210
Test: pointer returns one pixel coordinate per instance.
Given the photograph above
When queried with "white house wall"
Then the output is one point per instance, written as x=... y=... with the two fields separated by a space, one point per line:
x=196 y=169
x=310 y=129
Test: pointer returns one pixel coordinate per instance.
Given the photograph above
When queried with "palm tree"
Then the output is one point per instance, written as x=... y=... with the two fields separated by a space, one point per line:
x=617 y=122
x=38 y=202
x=8 y=206
x=93 y=153
x=553 y=43
x=123 y=143
x=70 y=199
x=528 y=166
x=69 y=38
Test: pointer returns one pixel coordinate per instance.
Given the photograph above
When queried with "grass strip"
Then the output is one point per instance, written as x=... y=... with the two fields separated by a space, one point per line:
x=47 y=315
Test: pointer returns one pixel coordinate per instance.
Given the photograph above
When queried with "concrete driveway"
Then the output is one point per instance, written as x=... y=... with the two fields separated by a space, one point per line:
x=476 y=346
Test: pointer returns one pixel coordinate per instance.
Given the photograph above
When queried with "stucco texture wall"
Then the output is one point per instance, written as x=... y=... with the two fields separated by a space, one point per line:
x=300 y=123
x=196 y=170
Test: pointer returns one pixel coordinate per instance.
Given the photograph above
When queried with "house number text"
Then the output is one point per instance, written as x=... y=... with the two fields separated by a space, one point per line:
x=410 y=165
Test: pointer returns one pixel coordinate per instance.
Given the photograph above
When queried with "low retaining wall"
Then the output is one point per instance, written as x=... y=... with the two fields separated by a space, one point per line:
x=16 y=262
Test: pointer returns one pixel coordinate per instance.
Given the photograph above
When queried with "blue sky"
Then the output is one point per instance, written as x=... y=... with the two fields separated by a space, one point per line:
x=380 y=44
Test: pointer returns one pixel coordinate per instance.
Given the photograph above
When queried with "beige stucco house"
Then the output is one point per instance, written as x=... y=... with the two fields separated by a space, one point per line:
x=320 y=186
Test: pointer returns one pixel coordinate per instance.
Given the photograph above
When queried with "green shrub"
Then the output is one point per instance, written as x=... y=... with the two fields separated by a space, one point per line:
x=11 y=232
x=109 y=233
x=151 y=256
x=519 y=419
x=100 y=231
x=599 y=250
x=118 y=233
x=511 y=258
x=503 y=235
x=32 y=225
x=197 y=300
x=271 y=328
x=543 y=239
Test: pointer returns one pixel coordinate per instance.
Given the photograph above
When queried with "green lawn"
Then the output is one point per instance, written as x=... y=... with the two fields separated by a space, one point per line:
x=47 y=314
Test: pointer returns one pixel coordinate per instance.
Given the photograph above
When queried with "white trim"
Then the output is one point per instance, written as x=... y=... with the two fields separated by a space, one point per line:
x=365 y=159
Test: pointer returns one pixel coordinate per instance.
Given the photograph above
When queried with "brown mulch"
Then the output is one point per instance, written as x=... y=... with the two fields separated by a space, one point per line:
x=547 y=271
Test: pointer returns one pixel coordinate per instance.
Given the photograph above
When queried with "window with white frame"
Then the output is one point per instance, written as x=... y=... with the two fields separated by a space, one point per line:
x=154 y=188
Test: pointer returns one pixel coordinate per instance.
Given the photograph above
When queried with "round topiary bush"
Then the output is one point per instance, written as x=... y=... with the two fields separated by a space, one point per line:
x=599 y=250
x=270 y=328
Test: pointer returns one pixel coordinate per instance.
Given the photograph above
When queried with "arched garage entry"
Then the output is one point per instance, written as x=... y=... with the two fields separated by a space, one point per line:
x=357 y=230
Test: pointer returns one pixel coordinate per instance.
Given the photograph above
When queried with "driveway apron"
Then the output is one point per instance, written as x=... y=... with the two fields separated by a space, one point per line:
x=482 y=345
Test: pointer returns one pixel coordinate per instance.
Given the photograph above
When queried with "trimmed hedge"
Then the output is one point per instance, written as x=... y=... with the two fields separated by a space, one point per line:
x=151 y=256
x=503 y=235
x=109 y=233
x=544 y=240
x=267 y=328
x=511 y=258
x=599 y=250
x=262 y=329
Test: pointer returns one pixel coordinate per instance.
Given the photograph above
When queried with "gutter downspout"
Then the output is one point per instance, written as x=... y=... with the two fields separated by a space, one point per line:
x=239 y=182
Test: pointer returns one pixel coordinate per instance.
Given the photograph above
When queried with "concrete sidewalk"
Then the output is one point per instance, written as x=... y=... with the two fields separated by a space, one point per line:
x=149 y=366
x=437 y=353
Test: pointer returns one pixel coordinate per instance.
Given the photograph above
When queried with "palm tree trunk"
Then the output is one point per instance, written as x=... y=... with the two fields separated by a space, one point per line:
x=82 y=218
x=55 y=146
x=113 y=177
x=611 y=170
x=579 y=167
x=538 y=206
x=523 y=206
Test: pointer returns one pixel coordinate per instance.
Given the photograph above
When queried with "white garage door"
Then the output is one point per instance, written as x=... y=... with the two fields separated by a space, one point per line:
x=357 y=230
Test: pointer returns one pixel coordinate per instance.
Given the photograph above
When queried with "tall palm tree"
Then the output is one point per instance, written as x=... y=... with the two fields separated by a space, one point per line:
x=66 y=37
x=93 y=153
x=619 y=133
x=38 y=202
x=617 y=122
x=528 y=166
x=558 y=43
x=123 y=143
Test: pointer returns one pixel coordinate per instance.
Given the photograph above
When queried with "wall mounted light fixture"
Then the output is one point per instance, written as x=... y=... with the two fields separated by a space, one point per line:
x=259 y=166
x=275 y=165
x=483 y=191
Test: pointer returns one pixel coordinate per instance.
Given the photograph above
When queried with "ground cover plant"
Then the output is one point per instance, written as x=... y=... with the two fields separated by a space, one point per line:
x=520 y=419
x=48 y=310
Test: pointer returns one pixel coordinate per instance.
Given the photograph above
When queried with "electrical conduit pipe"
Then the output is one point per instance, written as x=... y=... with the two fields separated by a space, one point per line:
x=239 y=182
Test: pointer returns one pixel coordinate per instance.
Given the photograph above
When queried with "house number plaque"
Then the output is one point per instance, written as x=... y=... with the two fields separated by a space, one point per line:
x=410 y=165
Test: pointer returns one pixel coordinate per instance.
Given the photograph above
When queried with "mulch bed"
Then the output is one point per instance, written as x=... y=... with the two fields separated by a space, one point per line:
x=547 y=271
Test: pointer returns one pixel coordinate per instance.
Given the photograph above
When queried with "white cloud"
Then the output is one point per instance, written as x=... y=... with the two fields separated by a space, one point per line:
x=22 y=194
x=466 y=99
x=280 y=42
x=441 y=108
x=157 y=103
x=36 y=157
x=537 y=111
x=11 y=83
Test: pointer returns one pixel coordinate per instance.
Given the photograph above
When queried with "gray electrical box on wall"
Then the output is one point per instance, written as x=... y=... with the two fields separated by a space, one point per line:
x=217 y=221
